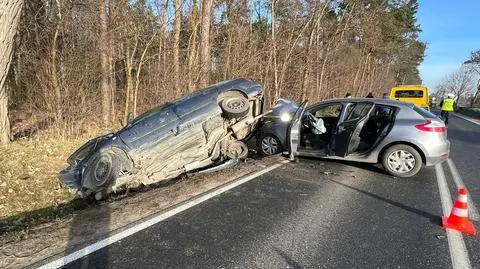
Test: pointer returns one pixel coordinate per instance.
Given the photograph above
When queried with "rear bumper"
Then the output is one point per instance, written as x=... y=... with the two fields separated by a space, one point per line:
x=435 y=160
x=438 y=154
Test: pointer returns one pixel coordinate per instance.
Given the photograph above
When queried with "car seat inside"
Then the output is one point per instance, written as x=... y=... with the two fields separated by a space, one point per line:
x=377 y=126
x=311 y=138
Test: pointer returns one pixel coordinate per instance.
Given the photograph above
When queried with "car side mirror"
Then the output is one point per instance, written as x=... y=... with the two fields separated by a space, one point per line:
x=129 y=117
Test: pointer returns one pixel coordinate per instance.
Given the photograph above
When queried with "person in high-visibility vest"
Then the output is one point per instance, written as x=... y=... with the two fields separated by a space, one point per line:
x=447 y=106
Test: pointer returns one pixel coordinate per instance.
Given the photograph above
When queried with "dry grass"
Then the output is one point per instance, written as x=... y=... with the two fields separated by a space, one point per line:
x=28 y=173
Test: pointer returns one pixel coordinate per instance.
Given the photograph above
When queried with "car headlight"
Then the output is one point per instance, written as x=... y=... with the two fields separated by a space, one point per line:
x=285 y=117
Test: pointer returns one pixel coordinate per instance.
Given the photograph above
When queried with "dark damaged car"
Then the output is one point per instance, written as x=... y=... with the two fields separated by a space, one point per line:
x=203 y=130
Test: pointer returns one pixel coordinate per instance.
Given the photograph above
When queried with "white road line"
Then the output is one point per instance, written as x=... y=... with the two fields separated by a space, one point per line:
x=141 y=226
x=474 y=215
x=458 y=250
x=466 y=118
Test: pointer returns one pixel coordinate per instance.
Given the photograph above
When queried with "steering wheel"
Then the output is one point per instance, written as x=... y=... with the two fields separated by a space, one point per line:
x=309 y=121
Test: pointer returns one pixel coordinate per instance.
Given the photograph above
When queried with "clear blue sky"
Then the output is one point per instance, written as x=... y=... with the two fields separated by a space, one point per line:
x=452 y=30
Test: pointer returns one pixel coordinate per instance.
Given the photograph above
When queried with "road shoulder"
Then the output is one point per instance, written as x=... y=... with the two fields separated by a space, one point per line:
x=475 y=121
x=98 y=220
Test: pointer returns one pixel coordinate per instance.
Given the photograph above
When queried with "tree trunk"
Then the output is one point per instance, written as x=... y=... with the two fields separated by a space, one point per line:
x=53 y=66
x=274 y=53
x=139 y=69
x=129 y=57
x=11 y=10
x=104 y=55
x=111 y=71
x=192 y=47
x=176 y=44
x=476 y=97
x=206 y=61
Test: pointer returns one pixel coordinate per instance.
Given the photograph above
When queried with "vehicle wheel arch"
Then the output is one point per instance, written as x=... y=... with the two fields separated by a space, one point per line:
x=413 y=145
x=122 y=156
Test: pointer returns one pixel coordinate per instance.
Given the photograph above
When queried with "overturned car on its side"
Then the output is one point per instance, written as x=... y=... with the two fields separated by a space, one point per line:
x=203 y=130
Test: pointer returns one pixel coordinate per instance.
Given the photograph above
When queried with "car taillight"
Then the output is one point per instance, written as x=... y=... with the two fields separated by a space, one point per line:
x=430 y=126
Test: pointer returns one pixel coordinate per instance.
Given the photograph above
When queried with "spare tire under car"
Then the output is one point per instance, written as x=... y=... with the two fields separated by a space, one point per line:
x=235 y=106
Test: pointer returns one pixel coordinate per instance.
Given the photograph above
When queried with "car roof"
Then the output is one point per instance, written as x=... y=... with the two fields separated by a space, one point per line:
x=388 y=102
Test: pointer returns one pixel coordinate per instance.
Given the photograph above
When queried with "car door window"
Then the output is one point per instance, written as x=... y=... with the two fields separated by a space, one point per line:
x=328 y=111
x=357 y=111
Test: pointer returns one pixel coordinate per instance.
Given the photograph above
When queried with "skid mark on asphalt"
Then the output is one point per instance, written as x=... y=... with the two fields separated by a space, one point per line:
x=458 y=250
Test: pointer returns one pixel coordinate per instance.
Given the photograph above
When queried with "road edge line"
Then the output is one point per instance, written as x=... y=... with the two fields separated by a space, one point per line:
x=458 y=250
x=473 y=211
x=62 y=261
x=466 y=118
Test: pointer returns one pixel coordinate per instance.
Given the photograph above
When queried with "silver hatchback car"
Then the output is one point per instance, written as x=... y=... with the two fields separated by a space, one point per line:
x=399 y=135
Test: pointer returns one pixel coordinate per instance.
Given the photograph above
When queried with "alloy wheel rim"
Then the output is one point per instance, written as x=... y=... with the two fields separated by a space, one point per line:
x=102 y=170
x=269 y=145
x=401 y=161
x=236 y=103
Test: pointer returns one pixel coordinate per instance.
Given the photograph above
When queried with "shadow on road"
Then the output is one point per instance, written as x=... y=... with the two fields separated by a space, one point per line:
x=80 y=229
x=433 y=218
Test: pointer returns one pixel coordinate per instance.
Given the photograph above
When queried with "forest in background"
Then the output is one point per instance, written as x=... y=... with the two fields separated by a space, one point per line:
x=77 y=64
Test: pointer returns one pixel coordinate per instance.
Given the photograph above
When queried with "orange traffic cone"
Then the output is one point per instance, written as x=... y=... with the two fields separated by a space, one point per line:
x=458 y=219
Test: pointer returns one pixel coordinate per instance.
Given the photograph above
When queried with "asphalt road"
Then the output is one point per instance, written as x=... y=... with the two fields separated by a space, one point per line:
x=313 y=214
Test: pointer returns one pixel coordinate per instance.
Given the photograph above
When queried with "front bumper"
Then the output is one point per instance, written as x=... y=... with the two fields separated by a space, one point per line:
x=72 y=177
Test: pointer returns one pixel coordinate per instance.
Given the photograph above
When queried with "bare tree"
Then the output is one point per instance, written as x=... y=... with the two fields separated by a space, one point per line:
x=205 y=56
x=176 y=43
x=141 y=51
x=459 y=83
x=10 y=13
x=192 y=47
x=474 y=64
x=104 y=56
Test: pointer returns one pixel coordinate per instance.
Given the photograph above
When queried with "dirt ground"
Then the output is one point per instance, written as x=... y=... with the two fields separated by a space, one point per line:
x=92 y=220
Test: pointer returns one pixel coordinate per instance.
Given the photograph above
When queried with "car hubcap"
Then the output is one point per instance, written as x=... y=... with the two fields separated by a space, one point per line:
x=102 y=170
x=401 y=161
x=269 y=145
x=236 y=103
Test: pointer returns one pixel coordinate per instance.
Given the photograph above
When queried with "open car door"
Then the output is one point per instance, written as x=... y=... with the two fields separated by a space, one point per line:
x=294 y=130
x=347 y=138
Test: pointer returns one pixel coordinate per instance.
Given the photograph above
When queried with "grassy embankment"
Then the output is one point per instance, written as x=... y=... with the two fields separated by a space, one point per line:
x=29 y=189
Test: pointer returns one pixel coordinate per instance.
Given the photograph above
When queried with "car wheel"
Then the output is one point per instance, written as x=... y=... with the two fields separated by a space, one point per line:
x=402 y=160
x=101 y=171
x=237 y=150
x=235 y=106
x=269 y=144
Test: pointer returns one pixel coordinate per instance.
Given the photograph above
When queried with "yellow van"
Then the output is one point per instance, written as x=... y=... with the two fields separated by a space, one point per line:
x=411 y=93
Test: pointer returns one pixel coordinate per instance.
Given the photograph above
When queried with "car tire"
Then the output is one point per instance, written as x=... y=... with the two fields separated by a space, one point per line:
x=237 y=150
x=235 y=106
x=102 y=170
x=269 y=145
x=402 y=160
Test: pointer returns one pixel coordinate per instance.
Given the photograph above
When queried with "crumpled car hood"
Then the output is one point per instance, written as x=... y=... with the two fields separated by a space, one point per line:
x=85 y=150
